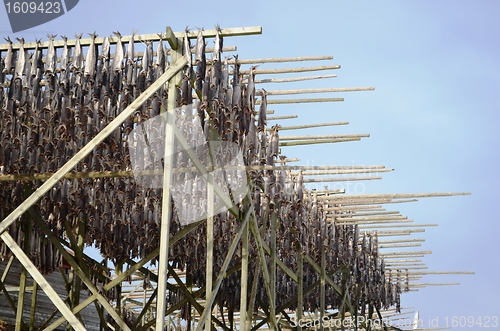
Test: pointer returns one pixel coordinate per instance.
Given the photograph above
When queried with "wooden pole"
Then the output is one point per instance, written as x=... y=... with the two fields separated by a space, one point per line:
x=304 y=100
x=34 y=296
x=328 y=136
x=287 y=70
x=23 y=277
x=275 y=118
x=319 y=141
x=289 y=80
x=161 y=301
x=300 y=285
x=396 y=226
x=251 y=30
x=282 y=59
x=244 y=279
x=308 y=126
x=316 y=90
x=339 y=179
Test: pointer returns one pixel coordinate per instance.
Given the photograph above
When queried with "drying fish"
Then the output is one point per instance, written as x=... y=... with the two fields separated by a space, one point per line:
x=251 y=88
x=37 y=60
x=78 y=55
x=21 y=60
x=117 y=61
x=8 y=58
x=160 y=58
x=200 y=60
x=65 y=55
x=146 y=59
x=51 y=56
x=262 y=122
x=130 y=49
x=91 y=60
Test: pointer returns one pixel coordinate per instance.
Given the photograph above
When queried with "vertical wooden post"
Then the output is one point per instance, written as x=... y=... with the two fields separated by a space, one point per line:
x=244 y=279
x=167 y=179
x=34 y=295
x=272 y=271
x=210 y=243
x=322 y=288
x=300 y=284
x=23 y=277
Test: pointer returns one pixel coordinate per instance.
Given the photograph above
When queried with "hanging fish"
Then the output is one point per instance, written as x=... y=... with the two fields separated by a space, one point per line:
x=78 y=55
x=262 y=122
x=160 y=58
x=8 y=57
x=275 y=142
x=91 y=59
x=216 y=59
x=251 y=88
x=21 y=60
x=37 y=60
x=146 y=59
x=200 y=60
x=130 y=49
x=187 y=51
x=117 y=62
x=105 y=54
x=51 y=56
x=65 y=55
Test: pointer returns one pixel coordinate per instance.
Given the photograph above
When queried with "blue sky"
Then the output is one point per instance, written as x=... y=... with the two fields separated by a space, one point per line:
x=434 y=114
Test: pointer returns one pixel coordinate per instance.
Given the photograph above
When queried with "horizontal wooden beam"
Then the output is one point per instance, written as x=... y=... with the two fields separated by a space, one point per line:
x=316 y=90
x=282 y=59
x=252 y=30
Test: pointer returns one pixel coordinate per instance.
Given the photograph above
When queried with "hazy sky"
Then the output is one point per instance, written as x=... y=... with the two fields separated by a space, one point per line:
x=434 y=115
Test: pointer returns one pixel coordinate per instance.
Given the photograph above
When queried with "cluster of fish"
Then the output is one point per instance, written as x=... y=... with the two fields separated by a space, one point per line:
x=52 y=105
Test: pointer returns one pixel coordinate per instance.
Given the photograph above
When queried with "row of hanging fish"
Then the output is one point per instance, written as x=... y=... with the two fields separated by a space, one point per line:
x=53 y=104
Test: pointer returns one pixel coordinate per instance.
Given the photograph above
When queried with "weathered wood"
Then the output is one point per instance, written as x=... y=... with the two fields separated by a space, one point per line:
x=45 y=286
x=286 y=117
x=318 y=141
x=252 y=30
x=325 y=136
x=166 y=213
x=339 y=179
x=289 y=80
x=287 y=70
x=308 y=126
x=305 y=100
x=316 y=90
x=282 y=59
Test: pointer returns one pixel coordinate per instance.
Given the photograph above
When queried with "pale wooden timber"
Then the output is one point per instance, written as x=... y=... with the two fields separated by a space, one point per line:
x=305 y=100
x=339 y=179
x=287 y=70
x=252 y=30
x=316 y=90
x=400 y=195
x=319 y=141
x=326 y=136
x=282 y=59
x=401 y=241
x=399 y=245
x=397 y=226
x=307 y=126
x=292 y=79
x=286 y=117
